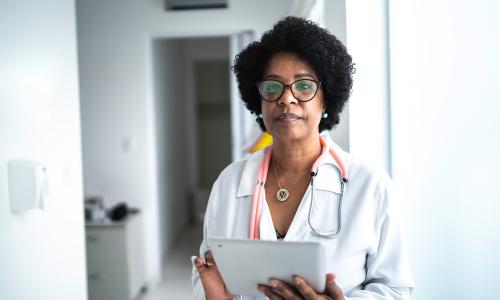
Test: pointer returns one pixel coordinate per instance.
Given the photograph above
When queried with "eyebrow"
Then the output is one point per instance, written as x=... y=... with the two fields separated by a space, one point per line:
x=296 y=76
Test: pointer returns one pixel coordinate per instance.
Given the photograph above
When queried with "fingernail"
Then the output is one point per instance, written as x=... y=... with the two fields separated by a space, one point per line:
x=296 y=280
x=273 y=283
x=261 y=289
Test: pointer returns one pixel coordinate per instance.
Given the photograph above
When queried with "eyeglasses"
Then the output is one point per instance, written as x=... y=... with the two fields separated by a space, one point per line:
x=303 y=89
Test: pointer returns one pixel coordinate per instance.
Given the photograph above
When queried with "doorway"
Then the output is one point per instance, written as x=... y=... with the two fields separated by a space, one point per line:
x=192 y=124
x=213 y=127
x=198 y=123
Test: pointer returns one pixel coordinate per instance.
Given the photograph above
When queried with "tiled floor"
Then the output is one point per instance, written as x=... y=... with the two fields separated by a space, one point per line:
x=177 y=270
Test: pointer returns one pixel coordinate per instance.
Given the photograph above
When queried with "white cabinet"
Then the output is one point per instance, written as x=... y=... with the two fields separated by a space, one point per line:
x=115 y=259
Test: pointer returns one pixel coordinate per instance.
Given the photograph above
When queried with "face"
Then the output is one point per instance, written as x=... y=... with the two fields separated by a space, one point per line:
x=287 y=118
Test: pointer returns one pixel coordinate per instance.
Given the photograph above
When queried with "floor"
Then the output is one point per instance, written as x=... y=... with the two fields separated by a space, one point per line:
x=176 y=283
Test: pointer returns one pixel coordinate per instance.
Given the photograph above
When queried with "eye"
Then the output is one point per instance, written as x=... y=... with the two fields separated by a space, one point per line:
x=272 y=87
x=304 y=85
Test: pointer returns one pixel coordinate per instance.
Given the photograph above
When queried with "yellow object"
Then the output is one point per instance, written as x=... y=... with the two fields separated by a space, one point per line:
x=264 y=140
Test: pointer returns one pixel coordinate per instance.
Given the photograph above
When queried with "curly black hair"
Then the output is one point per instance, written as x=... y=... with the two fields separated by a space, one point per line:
x=317 y=46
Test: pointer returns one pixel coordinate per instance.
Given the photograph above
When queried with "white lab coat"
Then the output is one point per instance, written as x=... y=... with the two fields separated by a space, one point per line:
x=369 y=258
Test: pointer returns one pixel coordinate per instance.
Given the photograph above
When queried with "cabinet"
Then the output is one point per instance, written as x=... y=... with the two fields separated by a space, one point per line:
x=115 y=259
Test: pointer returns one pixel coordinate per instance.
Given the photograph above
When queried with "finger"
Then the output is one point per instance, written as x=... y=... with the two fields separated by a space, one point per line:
x=211 y=280
x=285 y=290
x=199 y=264
x=332 y=289
x=209 y=258
x=269 y=292
x=304 y=288
x=202 y=265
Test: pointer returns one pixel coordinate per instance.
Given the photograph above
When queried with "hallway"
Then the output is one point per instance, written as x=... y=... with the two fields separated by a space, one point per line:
x=176 y=283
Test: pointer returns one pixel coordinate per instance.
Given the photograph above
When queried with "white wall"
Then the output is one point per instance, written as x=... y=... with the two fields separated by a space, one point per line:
x=42 y=252
x=446 y=124
x=117 y=97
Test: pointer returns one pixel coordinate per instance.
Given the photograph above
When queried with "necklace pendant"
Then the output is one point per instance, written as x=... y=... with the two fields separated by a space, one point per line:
x=282 y=194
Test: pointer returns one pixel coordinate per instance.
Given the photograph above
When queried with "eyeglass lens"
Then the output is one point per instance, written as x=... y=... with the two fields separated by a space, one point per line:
x=302 y=90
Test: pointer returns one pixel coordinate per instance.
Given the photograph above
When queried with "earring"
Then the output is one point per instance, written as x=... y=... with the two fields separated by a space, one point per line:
x=325 y=115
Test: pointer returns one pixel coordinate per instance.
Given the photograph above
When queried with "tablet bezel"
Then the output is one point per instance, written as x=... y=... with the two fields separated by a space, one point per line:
x=238 y=262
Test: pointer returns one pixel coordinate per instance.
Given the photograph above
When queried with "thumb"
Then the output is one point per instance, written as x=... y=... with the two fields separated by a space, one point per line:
x=332 y=289
x=199 y=264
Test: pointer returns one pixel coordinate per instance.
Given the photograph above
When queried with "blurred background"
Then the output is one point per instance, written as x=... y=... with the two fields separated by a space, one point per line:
x=130 y=110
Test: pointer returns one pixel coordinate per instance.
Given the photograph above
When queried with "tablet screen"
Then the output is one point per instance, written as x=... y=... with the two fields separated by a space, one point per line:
x=244 y=264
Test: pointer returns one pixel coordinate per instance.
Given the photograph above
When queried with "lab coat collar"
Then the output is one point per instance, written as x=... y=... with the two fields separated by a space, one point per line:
x=328 y=178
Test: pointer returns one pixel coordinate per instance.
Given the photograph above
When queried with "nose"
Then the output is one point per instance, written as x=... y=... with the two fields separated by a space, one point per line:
x=287 y=97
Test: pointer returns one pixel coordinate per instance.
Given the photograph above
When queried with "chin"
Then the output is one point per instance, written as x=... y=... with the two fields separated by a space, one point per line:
x=291 y=135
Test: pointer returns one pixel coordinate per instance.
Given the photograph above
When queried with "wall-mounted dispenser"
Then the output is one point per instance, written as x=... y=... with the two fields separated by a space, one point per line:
x=28 y=186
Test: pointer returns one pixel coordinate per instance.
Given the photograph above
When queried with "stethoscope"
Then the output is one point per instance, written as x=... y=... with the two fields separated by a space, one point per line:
x=259 y=192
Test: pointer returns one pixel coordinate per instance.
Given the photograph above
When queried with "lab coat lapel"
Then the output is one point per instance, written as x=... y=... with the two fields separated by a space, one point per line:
x=249 y=176
x=245 y=193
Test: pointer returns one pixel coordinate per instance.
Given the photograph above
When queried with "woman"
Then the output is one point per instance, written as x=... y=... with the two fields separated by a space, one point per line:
x=296 y=80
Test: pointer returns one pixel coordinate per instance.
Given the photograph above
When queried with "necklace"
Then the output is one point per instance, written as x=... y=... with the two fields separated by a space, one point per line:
x=282 y=194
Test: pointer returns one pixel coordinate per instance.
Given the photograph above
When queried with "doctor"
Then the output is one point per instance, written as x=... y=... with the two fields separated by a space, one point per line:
x=296 y=80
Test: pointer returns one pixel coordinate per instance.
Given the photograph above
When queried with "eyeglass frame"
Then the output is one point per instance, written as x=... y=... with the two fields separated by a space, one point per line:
x=318 y=83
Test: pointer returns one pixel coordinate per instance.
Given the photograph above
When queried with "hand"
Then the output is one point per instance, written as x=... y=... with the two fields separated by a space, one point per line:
x=211 y=279
x=279 y=290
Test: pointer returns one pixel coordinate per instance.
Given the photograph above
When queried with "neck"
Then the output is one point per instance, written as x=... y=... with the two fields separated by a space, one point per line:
x=296 y=156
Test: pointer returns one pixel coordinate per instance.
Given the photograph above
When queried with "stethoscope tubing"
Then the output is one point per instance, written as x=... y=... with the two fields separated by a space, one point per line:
x=343 y=181
x=258 y=198
x=329 y=234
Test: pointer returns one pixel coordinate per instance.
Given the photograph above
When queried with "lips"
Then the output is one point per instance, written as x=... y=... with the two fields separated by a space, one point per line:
x=288 y=117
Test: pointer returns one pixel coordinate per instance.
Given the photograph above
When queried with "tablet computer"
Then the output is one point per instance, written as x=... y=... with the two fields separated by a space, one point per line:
x=244 y=264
